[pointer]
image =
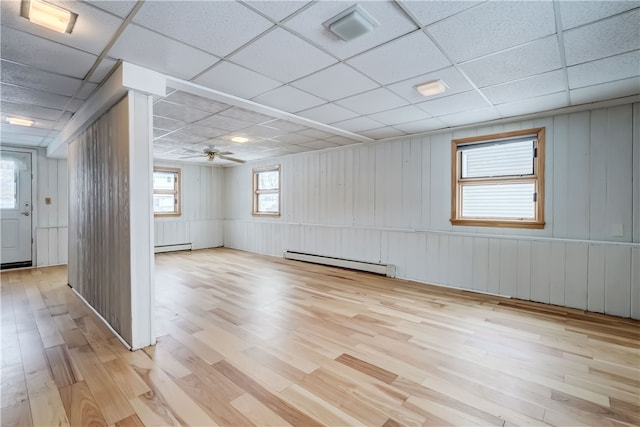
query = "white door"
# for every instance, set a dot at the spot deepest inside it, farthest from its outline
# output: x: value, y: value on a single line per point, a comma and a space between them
x: 15, y: 208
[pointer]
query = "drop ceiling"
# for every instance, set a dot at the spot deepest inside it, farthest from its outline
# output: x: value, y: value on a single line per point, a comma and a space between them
x: 498, y: 59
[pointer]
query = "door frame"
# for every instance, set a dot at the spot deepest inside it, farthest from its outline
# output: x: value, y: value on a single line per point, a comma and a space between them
x: 34, y: 194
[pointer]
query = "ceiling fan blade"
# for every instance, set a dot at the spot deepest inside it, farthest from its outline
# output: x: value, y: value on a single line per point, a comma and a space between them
x: 224, y: 153
x: 233, y: 159
x: 191, y: 157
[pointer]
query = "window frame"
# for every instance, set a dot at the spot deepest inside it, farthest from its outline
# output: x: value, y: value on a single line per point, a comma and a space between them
x: 257, y: 192
x: 176, y: 193
x: 457, y: 182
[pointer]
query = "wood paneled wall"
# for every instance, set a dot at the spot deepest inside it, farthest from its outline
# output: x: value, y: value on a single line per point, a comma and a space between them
x: 201, y: 221
x: 52, y: 220
x: 390, y: 202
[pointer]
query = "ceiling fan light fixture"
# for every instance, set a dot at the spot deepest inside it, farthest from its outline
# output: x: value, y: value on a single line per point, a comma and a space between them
x: 20, y: 122
x: 239, y: 139
x: 351, y: 23
x: 48, y: 15
x: 435, y: 87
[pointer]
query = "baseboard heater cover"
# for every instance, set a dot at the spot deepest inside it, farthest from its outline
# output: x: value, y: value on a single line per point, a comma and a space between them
x: 173, y: 248
x: 388, y: 270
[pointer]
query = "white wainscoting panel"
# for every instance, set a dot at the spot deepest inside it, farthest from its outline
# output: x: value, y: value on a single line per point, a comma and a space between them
x: 390, y: 202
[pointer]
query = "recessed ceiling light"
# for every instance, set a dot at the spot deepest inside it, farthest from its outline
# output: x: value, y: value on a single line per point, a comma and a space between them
x: 431, y: 88
x: 351, y: 23
x: 20, y: 122
x: 239, y: 139
x: 48, y: 15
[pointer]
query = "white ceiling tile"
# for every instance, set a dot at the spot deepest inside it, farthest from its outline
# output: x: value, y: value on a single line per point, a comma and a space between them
x: 282, y: 56
x: 400, y: 115
x: 605, y: 70
x: 29, y: 111
x: 373, y: 101
x: 432, y: 11
x: 33, y: 78
x: 421, y: 126
x: 122, y: 8
x: 382, y: 133
x: 184, y: 137
x: 341, y: 140
x: 315, y: 133
x: 453, y: 104
x: 91, y: 33
x: 40, y: 98
x: 610, y: 90
x: 167, y: 124
x: 223, y: 122
x: 328, y: 113
x: 358, y: 124
x: 178, y: 112
x: 470, y: 117
x: 493, y: 26
x: 167, y: 56
x: 335, y: 82
x: 246, y: 115
x: 289, y: 99
x: 605, y: 38
x: 393, y: 23
x: 28, y: 140
x: 195, y: 101
x: 533, y: 105
x: 102, y: 70
x: 203, y: 131
x: 523, y: 61
x: 576, y: 13
x: 277, y: 10
x: 529, y: 87
x: 43, y: 53
x: 291, y: 138
x: 400, y: 59
x: 455, y: 82
x: 319, y: 144
x: 22, y: 130
x: 235, y: 80
x: 218, y: 27
x: 259, y: 131
x: 285, y: 125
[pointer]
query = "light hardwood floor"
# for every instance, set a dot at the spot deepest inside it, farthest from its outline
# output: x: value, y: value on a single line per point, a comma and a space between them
x: 254, y: 340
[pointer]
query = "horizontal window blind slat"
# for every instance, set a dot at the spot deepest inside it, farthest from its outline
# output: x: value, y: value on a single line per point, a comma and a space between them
x: 505, y: 201
x: 505, y: 159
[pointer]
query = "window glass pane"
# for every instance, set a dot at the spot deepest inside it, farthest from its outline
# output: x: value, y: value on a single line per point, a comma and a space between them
x: 268, y: 180
x: 504, y: 201
x: 8, y: 184
x: 500, y: 159
x: 164, y: 203
x: 164, y: 180
x: 268, y: 203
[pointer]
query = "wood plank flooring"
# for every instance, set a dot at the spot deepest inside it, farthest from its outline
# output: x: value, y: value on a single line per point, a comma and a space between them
x: 249, y: 340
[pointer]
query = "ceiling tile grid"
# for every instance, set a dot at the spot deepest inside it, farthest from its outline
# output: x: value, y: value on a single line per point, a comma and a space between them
x: 497, y: 59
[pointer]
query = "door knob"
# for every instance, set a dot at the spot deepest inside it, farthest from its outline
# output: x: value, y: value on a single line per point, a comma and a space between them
x: 27, y: 209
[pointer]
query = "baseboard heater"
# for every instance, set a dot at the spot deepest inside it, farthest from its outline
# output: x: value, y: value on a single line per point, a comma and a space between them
x: 388, y: 270
x: 173, y: 248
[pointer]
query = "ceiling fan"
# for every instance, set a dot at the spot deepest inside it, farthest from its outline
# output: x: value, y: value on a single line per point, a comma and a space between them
x: 211, y: 153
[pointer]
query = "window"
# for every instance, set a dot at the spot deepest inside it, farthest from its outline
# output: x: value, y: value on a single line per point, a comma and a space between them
x: 498, y: 180
x: 8, y: 183
x: 166, y: 191
x: 266, y: 191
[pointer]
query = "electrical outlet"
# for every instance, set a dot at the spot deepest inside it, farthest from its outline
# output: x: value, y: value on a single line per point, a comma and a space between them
x: 47, y: 200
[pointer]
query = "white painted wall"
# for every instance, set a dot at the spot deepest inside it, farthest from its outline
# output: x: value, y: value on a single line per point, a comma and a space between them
x: 51, y: 220
x: 390, y: 202
x: 201, y: 221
